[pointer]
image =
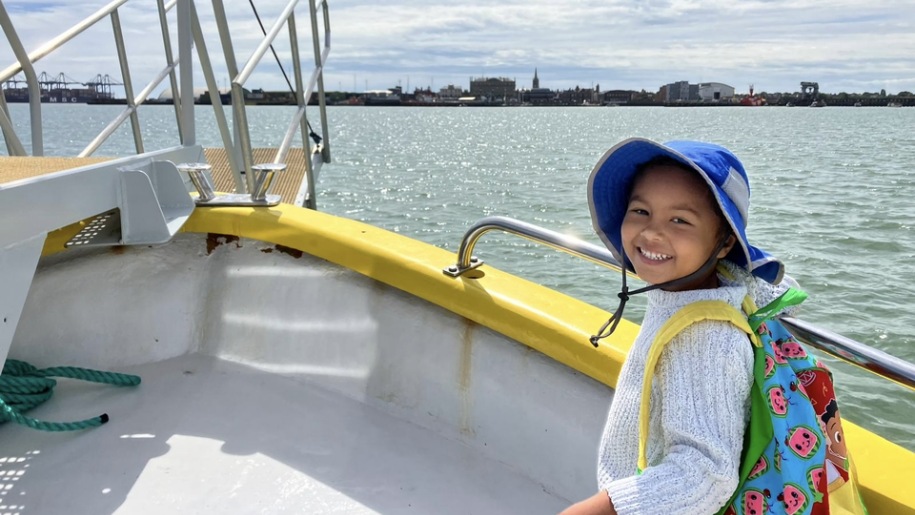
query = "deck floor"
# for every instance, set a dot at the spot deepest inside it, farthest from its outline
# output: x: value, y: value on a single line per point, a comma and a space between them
x: 286, y: 184
x: 202, y: 435
x: 14, y: 168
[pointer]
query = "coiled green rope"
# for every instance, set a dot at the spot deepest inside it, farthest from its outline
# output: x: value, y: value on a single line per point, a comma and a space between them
x: 23, y: 387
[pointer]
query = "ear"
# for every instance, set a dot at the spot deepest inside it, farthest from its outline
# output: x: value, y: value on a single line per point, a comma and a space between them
x: 729, y: 244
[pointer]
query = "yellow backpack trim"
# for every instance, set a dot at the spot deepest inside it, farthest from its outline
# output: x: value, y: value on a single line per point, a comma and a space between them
x: 685, y: 317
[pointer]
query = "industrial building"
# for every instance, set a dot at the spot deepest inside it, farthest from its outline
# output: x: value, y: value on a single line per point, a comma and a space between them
x: 493, y: 88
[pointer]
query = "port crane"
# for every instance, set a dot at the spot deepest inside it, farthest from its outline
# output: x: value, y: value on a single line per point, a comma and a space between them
x: 101, y: 84
x: 61, y: 88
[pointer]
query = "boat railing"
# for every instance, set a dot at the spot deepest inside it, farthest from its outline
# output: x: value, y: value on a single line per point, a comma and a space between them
x: 238, y: 146
x: 24, y: 65
x: 302, y: 92
x: 836, y: 345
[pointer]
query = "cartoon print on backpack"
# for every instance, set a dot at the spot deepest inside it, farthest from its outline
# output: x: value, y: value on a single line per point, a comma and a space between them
x: 778, y: 354
x: 818, y: 385
x: 791, y: 349
x: 794, y: 499
x: 802, y: 441
x: 777, y: 402
x: 755, y: 502
x: 815, y: 480
x: 836, y: 452
x: 798, y: 388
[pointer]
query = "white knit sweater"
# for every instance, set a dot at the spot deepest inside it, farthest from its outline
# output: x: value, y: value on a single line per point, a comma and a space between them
x: 698, y: 409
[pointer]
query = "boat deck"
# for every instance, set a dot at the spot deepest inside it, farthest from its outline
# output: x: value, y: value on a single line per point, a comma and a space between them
x: 14, y: 168
x: 203, y: 435
x: 286, y: 184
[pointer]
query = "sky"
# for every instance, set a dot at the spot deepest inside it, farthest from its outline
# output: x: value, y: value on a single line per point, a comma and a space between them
x: 844, y: 45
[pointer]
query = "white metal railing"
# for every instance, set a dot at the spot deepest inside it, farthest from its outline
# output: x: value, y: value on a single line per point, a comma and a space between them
x: 313, y: 160
x: 238, y: 145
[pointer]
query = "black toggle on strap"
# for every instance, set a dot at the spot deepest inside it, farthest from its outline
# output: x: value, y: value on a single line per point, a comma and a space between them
x: 624, y: 294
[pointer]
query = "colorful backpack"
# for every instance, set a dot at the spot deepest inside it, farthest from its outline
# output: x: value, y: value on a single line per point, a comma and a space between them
x: 795, y: 459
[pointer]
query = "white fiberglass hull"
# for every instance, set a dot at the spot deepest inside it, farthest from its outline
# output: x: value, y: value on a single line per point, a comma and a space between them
x: 332, y: 366
x: 276, y: 382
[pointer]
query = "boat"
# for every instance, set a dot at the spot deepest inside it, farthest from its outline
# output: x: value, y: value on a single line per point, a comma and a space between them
x: 382, y: 97
x: 894, y: 104
x: 752, y: 99
x: 275, y: 358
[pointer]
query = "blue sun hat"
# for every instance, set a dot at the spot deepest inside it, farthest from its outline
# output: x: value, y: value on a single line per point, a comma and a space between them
x: 611, y: 181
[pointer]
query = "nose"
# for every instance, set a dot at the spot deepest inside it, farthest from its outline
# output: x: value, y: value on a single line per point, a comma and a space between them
x: 652, y: 231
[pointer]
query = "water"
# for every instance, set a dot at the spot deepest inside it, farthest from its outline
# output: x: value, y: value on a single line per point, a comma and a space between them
x: 831, y: 197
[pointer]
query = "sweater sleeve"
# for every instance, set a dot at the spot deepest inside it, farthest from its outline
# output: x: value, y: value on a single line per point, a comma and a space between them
x: 703, y: 382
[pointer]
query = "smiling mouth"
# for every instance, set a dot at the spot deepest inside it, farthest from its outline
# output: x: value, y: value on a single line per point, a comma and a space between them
x: 653, y: 256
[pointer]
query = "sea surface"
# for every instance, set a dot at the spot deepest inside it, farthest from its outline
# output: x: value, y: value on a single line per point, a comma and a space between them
x: 832, y: 196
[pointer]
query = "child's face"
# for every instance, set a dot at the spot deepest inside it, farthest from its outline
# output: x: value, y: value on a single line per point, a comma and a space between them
x: 671, y: 228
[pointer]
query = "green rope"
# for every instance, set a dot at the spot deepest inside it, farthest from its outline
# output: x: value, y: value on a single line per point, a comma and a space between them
x: 24, y: 387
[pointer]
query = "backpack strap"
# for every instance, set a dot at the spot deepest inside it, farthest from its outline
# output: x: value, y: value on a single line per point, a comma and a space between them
x: 791, y: 297
x: 719, y: 310
x: 685, y: 317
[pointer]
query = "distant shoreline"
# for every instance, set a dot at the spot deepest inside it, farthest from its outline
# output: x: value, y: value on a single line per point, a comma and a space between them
x: 888, y: 101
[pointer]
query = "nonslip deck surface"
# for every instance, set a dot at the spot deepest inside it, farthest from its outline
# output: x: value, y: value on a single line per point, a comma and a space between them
x: 286, y: 184
x: 14, y: 168
x: 201, y: 435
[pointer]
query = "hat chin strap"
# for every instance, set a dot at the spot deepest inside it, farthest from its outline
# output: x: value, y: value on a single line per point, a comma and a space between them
x: 624, y: 294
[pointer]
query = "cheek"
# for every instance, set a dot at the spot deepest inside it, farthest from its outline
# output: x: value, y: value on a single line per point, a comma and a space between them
x: 628, y: 230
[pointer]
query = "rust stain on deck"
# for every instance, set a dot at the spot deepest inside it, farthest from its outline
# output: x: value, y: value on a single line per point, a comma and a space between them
x: 296, y: 253
x: 465, y: 377
x: 214, y: 240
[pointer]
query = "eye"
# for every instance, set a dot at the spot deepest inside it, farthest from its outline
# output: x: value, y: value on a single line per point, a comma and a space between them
x: 678, y: 220
x: 837, y: 437
x: 638, y: 211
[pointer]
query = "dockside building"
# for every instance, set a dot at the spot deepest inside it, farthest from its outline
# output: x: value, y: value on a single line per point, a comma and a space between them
x: 493, y: 88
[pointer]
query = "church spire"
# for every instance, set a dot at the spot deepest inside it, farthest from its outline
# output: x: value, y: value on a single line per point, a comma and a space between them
x: 536, y: 80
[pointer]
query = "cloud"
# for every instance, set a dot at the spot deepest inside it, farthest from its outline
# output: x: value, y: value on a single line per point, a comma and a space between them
x: 775, y: 44
x: 633, y: 44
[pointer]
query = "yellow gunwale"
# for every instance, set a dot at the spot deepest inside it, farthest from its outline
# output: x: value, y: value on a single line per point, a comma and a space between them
x: 543, y: 319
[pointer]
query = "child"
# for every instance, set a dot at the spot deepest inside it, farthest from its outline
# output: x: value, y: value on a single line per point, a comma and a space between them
x: 674, y: 213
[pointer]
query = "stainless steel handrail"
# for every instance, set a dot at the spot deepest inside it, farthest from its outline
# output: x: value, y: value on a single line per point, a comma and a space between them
x: 15, y: 145
x: 553, y: 239
x: 846, y: 349
x: 62, y: 38
x: 216, y: 100
x: 169, y: 58
x: 128, y: 81
x: 25, y: 62
x: 129, y: 112
x: 238, y: 88
x: 132, y: 101
x: 190, y: 35
x: 302, y: 92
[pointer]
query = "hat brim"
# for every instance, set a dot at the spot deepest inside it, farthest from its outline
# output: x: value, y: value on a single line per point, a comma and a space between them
x: 608, y: 197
